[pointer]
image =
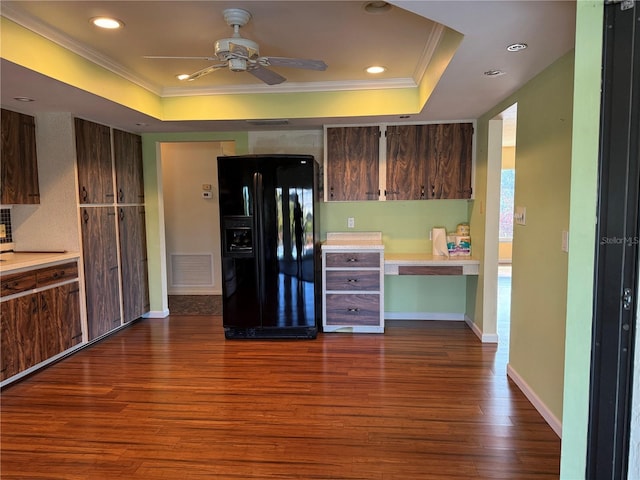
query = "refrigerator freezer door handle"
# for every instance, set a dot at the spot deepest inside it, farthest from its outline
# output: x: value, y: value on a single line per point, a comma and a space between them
x: 258, y: 207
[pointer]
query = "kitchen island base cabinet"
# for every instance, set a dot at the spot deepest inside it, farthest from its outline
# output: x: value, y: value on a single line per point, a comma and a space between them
x: 353, y: 283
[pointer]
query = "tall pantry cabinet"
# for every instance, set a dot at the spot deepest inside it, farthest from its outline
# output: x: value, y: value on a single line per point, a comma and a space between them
x: 110, y: 188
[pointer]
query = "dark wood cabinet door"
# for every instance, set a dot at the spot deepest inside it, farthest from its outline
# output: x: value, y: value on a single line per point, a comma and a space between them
x: 99, y: 244
x: 127, y: 151
x: 133, y: 253
x: 21, y: 335
x: 19, y: 166
x: 60, y: 318
x: 352, y: 163
x: 406, y: 162
x: 449, y: 157
x: 93, y: 152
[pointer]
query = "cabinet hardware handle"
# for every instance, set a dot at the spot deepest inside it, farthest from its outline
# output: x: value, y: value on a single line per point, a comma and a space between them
x: 120, y: 194
x: 352, y: 259
x: 331, y: 192
x: 422, y: 191
x: 352, y: 280
x: 433, y: 190
x: 85, y: 217
x: 85, y: 194
x: 353, y: 309
x: 121, y: 214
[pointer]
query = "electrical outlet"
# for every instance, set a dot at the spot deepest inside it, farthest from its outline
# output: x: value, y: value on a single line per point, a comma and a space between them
x: 520, y: 215
x: 351, y: 222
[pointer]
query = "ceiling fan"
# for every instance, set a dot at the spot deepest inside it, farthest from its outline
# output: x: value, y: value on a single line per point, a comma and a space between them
x: 240, y: 54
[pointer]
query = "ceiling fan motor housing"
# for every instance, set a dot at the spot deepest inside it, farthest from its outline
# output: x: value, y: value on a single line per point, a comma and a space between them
x: 227, y: 48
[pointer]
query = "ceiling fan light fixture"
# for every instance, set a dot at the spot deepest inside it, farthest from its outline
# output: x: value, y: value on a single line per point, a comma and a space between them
x: 376, y: 69
x: 237, y: 65
x: 107, y: 23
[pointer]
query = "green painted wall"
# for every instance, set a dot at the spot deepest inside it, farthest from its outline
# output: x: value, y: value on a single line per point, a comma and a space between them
x: 584, y: 183
x: 539, y: 281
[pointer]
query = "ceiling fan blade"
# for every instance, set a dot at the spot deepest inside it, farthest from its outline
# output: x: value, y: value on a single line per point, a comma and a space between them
x: 210, y: 59
x: 293, y: 62
x: 267, y: 76
x: 205, y: 71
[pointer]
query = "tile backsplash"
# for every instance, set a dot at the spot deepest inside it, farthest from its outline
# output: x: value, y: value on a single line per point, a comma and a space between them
x: 5, y: 219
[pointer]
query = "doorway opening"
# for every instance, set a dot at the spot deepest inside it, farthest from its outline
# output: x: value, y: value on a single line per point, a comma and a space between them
x: 505, y: 226
x: 192, y: 225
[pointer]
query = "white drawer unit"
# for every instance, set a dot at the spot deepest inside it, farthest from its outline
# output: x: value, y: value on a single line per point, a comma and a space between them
x: 353, y: 282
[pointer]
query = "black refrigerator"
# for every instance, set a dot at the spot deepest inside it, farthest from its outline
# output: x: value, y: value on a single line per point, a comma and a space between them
x: 270, y: 246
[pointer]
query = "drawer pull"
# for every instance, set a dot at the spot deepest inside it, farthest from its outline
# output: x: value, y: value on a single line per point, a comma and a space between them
x: 352, y: 259
x: 353, y: 310
x: 352, y: 280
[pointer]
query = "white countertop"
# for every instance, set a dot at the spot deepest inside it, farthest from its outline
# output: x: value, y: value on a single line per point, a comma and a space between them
x: 12, y: 262
x: 353, y: 241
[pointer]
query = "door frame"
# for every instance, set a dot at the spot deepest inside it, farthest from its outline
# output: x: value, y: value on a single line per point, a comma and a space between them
x: 616, y: 263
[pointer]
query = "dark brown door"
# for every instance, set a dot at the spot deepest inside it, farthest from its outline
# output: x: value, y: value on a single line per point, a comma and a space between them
x: 449, y: 157
x: 127, y: 150
x: 93, y: 151
x: 60, y: 319
x: 407, y: 162
x: 99, y: 243
x: 352, y: 163
x: 20, y: 333
x: 133, y: 251
x: 19, y: 160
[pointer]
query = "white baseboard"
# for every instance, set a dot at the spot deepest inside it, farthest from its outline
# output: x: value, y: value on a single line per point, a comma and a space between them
x: 484, y: 337
x: 539, y: 405
x: 456, y: 317
x: 156, y: 314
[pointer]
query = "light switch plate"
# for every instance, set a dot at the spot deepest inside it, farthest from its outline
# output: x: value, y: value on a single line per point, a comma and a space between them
x: 520, y: 215
x: 351, y: 222
x: 565, y: 241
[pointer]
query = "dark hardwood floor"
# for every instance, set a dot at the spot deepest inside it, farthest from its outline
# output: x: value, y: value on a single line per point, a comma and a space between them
x: 172, y: 399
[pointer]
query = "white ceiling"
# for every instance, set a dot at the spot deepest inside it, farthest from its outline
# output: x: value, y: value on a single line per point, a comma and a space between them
x: 341, y: 33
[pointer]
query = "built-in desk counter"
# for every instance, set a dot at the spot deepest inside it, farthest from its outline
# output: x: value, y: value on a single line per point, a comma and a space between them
x: 427, y: 264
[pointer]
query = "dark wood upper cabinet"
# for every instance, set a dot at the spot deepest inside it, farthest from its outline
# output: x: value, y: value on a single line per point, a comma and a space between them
x: 429, y: 161
x: 127, y: 149
x: 449, y: 159
x: 19, y: 164
x: 352, y: 163
x: 93, y: 151
x: 407, y: 177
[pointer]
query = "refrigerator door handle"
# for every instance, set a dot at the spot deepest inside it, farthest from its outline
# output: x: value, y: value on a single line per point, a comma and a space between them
x: 258, y: 224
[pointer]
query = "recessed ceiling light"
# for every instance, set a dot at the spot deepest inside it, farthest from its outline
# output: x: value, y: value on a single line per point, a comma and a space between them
x: 24, y: 99
x: 107, y: 22
x: 377, y: 7
x: 182, y: 76
x: 376, y: 69
x: 516, y: 47
x: 493, y: 73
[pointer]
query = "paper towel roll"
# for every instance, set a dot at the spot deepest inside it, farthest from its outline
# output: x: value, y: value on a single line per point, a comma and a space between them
x: 439, y: 240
